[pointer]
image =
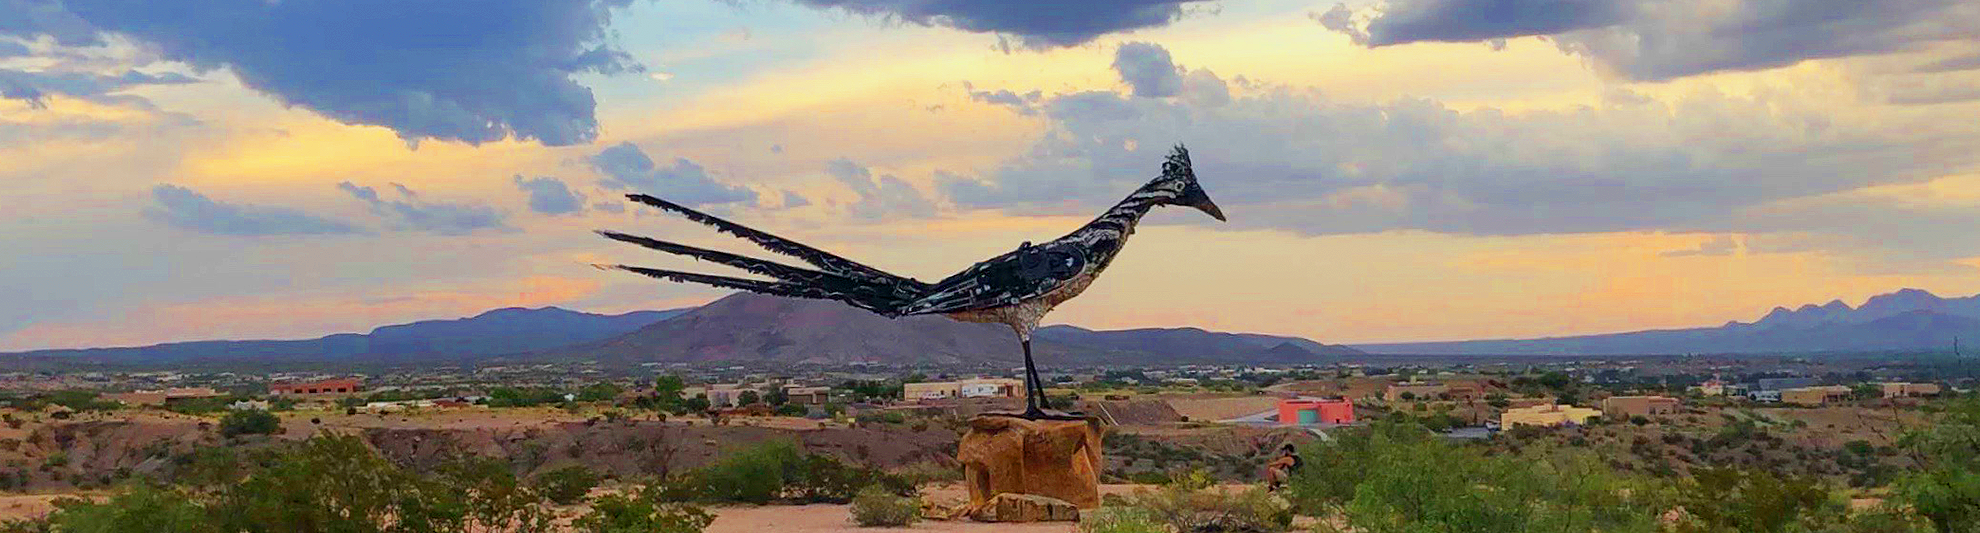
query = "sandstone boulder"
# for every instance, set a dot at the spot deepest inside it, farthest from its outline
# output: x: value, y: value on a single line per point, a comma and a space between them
x: 1057, y: 459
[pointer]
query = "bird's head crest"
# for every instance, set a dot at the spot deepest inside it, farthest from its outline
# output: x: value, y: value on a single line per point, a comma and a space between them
x: 1179, y: 178
x: 1177, y: 165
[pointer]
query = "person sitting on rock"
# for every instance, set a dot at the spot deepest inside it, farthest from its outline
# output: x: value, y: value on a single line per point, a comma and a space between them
x: 1281, y: 469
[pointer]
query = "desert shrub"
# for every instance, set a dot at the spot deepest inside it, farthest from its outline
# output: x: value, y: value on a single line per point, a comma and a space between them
x: 249, y: 422
x: 137, y: 508
x: 926, y: 472
x: 644, y: 511
x: 878, y: 507
x: 567, y: 485
x: 1120, y: 519
x: 1754, y: 501
x: 1203, y: 510
x: 778, y: 471
x: 791, y: 409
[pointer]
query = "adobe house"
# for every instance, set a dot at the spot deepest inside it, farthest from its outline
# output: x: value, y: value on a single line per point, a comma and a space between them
x: 318, y: 388
x: 1624, y: 407
x: 1309, y: 411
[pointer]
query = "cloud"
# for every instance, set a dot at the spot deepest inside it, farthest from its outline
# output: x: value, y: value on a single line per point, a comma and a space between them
x: 474, y: 72
x: 1722, y: 245
x: 1665, y: 39
x: 1024, y: 104
x: 549, y: 196
x: 1297, y: 161
x: 1038, y: 24
x: 1408, y: 21
x: 884, y: 198
x: 189, y: 210
x: 793, y: 199
x: 1147, y: 68
x: 34, y: 87
x: 627, y: 167
x: 12, y: 49
x: 414, y: 213
x: 1951, y: 64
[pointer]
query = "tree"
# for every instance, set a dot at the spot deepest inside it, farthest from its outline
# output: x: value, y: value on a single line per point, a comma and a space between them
x: 599, y: 392
x: 567, y: 485
x: 777, y: 397
x: 249, y: 422
x: 748, y: 397
x: 1945, y: 488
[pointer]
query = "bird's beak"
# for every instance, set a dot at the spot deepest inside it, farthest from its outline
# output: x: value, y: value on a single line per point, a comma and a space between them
x: 1210, y: 208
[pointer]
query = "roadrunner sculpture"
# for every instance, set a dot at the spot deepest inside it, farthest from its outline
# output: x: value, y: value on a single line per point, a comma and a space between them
x: 1015, y: 289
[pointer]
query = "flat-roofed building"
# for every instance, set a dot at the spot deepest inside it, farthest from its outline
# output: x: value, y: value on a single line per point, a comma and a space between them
x: 808, y: 395
x: 1815, y: 395
x: 164, y: 397
x: 1909, y: 390
x: 1311, y: 411
x: 967, y: 388
x: 1623, y: 407
x: 317, y: 388
x: 1549, y: 415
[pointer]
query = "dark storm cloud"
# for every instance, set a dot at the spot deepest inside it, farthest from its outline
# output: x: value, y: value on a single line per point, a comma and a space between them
x: 34, y: 87
x: 187, y: 209
x: 1665, y: 39
x: 625, y: 166
x: 469, y: 71
x: 411, y: 212
x: 1038, y: 24
x: 886, y: 197
x: 549, y: 196
x: 1147, y: 68
x: 1407, y: 21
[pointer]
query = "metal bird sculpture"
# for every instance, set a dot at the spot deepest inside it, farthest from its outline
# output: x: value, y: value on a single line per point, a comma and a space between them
x: 1016, y: 289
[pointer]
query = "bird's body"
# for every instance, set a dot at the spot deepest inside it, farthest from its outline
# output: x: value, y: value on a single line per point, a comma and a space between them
x: 1016, y: 289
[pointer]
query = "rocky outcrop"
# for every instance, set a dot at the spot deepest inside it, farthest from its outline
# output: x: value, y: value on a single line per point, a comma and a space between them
x: 1055, y: 459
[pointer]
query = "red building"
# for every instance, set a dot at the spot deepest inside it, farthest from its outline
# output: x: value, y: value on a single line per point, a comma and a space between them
x: 1308, y: 411
x: 317, y: 388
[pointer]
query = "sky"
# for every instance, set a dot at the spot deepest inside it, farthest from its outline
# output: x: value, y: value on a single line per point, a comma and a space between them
x: 1396, y: 170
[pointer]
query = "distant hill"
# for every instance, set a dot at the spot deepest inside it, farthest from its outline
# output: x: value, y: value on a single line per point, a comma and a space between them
x: 750, y: 327
x: 1197, y: 344
x: 1909, y: 319
x: 496, y: 332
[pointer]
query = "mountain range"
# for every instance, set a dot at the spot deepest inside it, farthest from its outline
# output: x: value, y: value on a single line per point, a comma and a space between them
x: 739, y: 327
x: 496, y: 332
x: 750, y: 327
x: 1909, y: 319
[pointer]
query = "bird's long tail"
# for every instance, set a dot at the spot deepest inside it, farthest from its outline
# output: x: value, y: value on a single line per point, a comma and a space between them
x: 836, y: 278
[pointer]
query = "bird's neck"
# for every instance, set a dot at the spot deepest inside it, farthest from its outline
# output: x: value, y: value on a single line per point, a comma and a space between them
x: 1128, y: 212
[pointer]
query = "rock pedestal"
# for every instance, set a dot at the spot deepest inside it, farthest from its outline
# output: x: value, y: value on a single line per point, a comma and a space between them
x: 1058, y: 459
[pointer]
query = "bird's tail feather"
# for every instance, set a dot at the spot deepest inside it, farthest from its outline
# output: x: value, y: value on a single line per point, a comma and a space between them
x: 827, y: 262
x: 868, y: 302
x: 773, y: 269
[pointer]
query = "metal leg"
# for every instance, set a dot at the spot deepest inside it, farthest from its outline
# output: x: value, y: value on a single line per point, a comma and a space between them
x: 1034, y: 395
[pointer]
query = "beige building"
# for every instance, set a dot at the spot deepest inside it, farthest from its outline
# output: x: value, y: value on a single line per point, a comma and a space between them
x: 968, y: 388
x: 1549, y: 415
x: 162, y: 397
x: 808, y: 395
x: 1815, y: 395
x: 1909, y: 390
x: 1623, y: 407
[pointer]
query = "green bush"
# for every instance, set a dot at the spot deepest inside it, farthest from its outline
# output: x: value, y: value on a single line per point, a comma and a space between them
x: 137, y: 508
x: 1121, y: 519
x: 1189, y: 509
x: 567, y: 485
x: 249, y: 422
x: 877, y: 507
x: 776, y: 471
x: 645, y: 511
